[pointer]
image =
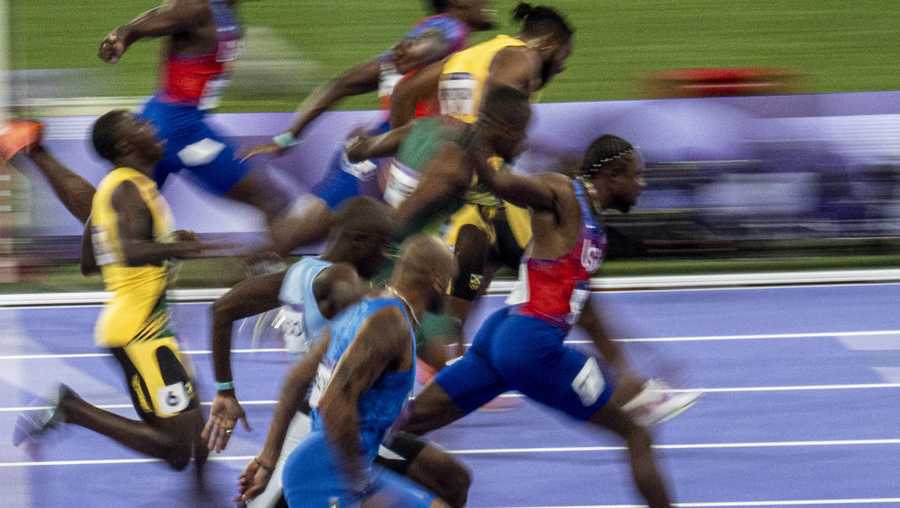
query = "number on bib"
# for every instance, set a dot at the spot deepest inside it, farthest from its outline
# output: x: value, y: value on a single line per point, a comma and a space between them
x: 173, y: 398
x: 456, y: 94
x: 399, y: 186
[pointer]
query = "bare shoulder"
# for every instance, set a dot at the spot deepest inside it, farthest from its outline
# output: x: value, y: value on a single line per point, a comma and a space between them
x: 558, y: 182
x: 198, y: 10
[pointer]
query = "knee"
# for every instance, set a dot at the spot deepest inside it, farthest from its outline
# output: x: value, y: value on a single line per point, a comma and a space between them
x: 179, y: 456
x: 457, y: 484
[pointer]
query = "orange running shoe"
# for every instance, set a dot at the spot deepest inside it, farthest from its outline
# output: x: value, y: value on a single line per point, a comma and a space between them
x: 18, y: 135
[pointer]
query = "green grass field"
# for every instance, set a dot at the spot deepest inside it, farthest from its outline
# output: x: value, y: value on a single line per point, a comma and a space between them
x: 836, y: 45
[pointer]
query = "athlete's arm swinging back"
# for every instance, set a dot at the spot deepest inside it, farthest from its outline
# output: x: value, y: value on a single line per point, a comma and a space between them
x: 173, y: 17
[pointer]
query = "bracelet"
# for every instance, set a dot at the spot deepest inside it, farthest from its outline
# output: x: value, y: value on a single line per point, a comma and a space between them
x: 260, y: 464
x: 222, y: 386
x: 285, y: 140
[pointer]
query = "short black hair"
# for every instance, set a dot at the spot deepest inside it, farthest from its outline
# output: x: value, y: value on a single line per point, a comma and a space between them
x: 365, y: 215
x: 606, y: 152
x: 507, y: 105
x: 438, y: 6
x: 541, y: 20
x: 105, y: 135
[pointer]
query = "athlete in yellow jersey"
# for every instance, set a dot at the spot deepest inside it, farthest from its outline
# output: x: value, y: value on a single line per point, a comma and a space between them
x: 129, y: 239
x: 526, y: 62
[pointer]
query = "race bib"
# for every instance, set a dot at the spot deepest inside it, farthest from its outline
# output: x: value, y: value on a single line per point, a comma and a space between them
x: 212, y: 94
x: 102, y: 252
x: 456, y: 94
x: 400, y: 185
x: 291, y: 327
x: 387, y: 81
x: 591, y: 256
x: 323, y: 379
x: 173, y: 398
x: 576, y: 304
x: 589, y: 382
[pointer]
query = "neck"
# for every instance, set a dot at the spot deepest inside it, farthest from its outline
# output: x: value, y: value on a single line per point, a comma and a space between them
x: 145, y: 167
x: 414, y: 297
x: 598, y: 196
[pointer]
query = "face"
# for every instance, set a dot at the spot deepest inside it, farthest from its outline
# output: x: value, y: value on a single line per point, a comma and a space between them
x: 141, y: 135
x: 555, y: 56
x: 478, y: 14
x: 372, y: 248
x: 626, y: 186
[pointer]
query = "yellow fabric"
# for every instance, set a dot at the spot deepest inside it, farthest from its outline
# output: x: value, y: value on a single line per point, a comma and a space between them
x: 150, y: 393
x: 138, y: 308
x: 480, y: 216
x: 465, y: 74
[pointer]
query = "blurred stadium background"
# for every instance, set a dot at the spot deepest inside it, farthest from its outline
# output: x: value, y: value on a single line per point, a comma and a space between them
x: 771, y: 182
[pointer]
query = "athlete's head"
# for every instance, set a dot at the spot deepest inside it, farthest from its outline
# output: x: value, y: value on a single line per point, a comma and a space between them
x: 503, y: 121
x: 614, y: 166
x: 425, y: 269
x: 477, y: 14
x: 548, y: 32
x: 120, y: 135
x: 362, y: 230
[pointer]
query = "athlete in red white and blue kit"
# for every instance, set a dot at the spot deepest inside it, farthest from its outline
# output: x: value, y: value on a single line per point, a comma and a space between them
x: 202, y: 41
x: 430, y: 40
x: 520, y: 347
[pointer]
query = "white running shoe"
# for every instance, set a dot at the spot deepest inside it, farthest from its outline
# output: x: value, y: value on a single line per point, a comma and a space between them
x: 654, y: 404
x: 31, y: 425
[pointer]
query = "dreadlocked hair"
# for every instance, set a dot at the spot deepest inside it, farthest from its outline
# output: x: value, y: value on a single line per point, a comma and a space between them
x: 607, y: 152
x: 542, y: 20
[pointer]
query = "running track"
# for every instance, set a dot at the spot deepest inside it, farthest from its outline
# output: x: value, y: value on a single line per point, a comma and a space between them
x: 803, y: 408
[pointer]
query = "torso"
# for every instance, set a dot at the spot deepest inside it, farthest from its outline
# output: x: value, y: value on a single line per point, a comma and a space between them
x: 199, y: 78
x: 380, y: 405
x: 138, y: 307
x: 304, y: 321
x: 556, y: 289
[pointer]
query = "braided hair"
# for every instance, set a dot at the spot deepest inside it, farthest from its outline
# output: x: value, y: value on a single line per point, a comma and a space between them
x: 607, y: 152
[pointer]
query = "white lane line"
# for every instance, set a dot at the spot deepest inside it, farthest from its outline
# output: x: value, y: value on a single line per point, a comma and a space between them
x: 698, y: 338
x: 21, y: 409
x: 757, y: 389
x: 739, y: 504
x: 504, y: 451
x: 105, y: 355
x: 686, y: 446
x: 734, y: 389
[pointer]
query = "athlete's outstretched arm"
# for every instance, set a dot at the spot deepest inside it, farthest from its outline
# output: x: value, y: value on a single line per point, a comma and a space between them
x: 379, y: 346
x: 526, y: 191
x: 173, y: 17
x: 136, y: 231
x: 372, y: 147
x: 422, y: 85
x: 293, y: 393
x: 445, y: 176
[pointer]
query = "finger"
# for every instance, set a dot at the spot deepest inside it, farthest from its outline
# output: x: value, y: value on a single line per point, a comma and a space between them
x: 212, y: 437
x: 246, y: 423
x: 207, y: 429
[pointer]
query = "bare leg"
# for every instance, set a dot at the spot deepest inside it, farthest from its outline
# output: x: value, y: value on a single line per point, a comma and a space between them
x: 169, y: 439
x: 430, y: 410
x: 442, y: 474
x: 644, y: 471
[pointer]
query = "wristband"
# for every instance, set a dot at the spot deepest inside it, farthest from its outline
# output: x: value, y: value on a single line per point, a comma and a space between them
x: 222, y: 386
x: 285, y: 140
